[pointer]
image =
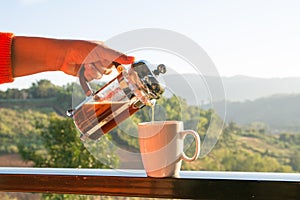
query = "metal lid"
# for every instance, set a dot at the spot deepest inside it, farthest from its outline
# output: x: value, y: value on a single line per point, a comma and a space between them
x: 148, y: 75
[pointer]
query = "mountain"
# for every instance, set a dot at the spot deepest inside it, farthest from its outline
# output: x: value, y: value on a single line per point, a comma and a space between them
x: 240, y: 88
x: 197, y: 89
x: 273, y: 101
x: 278, y: 112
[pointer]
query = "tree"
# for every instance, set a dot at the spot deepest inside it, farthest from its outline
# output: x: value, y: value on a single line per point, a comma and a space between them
x: 43, y: 89
x: 58, y: 145
x: 295, y: 161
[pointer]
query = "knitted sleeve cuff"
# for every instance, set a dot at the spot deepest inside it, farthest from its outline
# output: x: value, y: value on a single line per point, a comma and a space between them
x: 6, y: 74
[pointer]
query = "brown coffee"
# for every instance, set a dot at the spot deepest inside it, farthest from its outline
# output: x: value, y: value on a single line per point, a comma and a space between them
x: 98, y: 118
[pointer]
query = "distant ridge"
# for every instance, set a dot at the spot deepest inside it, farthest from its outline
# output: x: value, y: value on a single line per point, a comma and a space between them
x: 194, y: 88
x: 240, y: 88
x: 279, y: 112
x: 273, y: 101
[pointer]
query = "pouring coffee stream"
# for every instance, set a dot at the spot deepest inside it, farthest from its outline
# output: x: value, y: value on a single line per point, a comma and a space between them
x: 117, y: 100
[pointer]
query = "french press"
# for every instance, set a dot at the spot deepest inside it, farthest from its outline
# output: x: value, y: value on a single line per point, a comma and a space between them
x: 129, y: 91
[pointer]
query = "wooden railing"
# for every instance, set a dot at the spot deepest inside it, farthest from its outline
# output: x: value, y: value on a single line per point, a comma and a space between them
x: 191, y: 184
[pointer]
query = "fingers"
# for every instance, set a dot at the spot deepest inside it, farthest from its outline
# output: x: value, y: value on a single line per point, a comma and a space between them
x: 91, y: 72
x: 113, y: 55
x: 95, y: 71
x: 96, y: 57
x: 107, y: 56
x: 123, y: 59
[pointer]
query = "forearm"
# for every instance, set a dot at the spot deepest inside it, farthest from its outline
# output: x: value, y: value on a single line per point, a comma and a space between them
x: 32, y: 55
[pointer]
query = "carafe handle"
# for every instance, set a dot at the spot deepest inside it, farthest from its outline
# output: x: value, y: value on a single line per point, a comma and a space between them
x: 84, y: 83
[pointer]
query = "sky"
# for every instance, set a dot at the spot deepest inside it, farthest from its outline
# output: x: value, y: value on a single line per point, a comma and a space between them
x: 250, y: 37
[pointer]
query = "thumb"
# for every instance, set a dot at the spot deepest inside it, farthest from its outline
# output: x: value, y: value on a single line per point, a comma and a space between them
x: 123, y: 59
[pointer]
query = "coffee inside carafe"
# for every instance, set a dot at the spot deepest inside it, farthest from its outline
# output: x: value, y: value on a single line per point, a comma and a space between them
x: 116, y: 101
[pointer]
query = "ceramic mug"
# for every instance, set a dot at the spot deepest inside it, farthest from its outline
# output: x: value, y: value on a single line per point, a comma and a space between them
x: 162, y: 147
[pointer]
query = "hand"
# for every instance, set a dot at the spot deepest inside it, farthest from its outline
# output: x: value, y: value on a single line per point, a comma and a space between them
x: 32, y: 55
x: 94, y: 56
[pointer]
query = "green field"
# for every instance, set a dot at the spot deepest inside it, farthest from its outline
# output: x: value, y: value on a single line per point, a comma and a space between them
x: 34, y: 130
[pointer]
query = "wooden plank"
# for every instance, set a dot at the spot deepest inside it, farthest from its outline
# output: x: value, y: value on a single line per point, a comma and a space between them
x: 192, y: 185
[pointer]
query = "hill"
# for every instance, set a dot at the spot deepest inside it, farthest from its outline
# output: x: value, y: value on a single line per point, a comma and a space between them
x: 240, y: 148
x: 274, y: 101
x: 198, y: 89
x: 278, y: 112
x: 42, y: 96
x: 241, y: 88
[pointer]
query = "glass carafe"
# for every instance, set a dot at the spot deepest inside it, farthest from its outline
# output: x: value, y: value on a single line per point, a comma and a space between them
x: 128, y: 92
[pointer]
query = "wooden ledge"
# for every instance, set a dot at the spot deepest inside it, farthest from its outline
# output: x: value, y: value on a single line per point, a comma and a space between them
x: 192, y: 185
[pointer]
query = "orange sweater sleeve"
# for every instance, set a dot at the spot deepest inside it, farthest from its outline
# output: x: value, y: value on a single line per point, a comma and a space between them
x: 6, y: 74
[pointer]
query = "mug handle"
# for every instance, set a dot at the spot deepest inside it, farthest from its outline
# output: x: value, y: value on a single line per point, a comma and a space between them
x: 198, y: 142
